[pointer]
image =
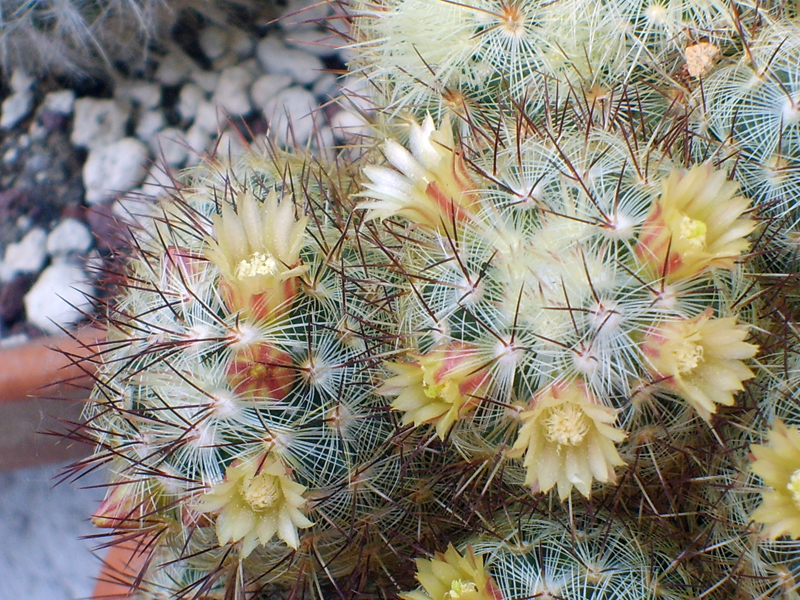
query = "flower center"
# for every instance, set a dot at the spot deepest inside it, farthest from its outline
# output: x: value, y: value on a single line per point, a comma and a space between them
x: 687, y: 356
x: 693, y: 232
x: 261, y: 492
x: 566, y: 425
x: 460, y: 589
x: 794, y: 487
x: 258, y: 264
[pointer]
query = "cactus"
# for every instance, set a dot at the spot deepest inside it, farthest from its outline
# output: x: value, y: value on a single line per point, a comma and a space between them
x: 540, y: 337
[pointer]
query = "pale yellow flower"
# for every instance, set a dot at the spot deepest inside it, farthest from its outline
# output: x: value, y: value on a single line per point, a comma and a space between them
x: 778, y: 464
x: 257, y: 501
x: 257, y: 249
x: 568, y: 440
x: 438, y: 387
x: 429, y: 186
x: 700, y: 359
x: 450, y: 576
x: 694, y: 225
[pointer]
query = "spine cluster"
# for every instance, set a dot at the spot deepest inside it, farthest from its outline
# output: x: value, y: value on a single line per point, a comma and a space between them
x: 538, y: 340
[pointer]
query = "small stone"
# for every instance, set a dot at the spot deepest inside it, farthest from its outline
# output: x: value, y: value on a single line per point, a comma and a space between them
x: 229, y: 59
x: 150, y: 123
x: 326, y: 87
x: 21, y: 81
x: 174, y: 68
x: 214, y: 41
x: 199, y: 141
x: 267, y: 86
x: 170, y: 147
x: 207, y: 80
x: 114, y: 169
x: 276, y: 57
x: 144, y: 93
x: 348, y: 126
x: 69, y: 237
x: 290, y: 114
x: 208, y: 118
x: 241, y: 43
x: 232, y: 91
x: 60, y: 102
x: 314, y: 41
x: 303, y: 14
x: 98, y: 122
x: 190, y: 97
x: 159, y: 182
x: 15, y: 107
x: 59, y: 298
x: 26, y: 256
x: 231, y: 145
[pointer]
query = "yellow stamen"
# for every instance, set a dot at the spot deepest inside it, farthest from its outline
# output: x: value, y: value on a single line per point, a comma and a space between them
x: 694, y: 232
x: 687, y: 356
x: 261, y: 492
x: 458, y: 588
x: 567, y: 425
x: 794, y: 487
x: 258, y: 264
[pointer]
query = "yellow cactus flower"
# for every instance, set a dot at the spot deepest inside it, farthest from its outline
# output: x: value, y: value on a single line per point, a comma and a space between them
x: 257, y: 501
x: 568, y: 440
x: 257, y: 250
x: 694, y: 225
x: 439, y: 387
x: 700, y: 359
x: 778, y: 465
x: 451, y: 576
x: 433, y: 187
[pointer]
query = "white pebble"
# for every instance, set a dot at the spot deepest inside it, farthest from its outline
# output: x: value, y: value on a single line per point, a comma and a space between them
x: 348, y: 126
x: 326, y: 87
x: 266, y: 86
x: 232, y: 91
x: 276, y: 57
x: 291, y: 117
x: 302, y: 14
x: 26, y: 256
x: 150, y: 123
x: 144, y: 93
x: 199, y: 141
x: 189, y: 99
x: 69, y: 237
x: 15, y: 107
x: 158, y: 183
x: 21, y: 81
x: 214, y: 41
x: 114, y: 169
x: 60, y: 102
x: 170, y: 147
x: 241, y: 43
x: 99, y: 122
x: 59, y: 298
x: 314, y: 41
x: 208, y: 117
x: 174, y: 68
x: 207, y: 80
